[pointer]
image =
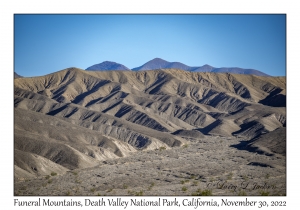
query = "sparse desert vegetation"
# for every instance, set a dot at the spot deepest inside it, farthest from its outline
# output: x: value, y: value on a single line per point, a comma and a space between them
x: 175, y: 169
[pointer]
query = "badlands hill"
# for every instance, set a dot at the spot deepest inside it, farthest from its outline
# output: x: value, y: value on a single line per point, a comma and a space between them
x: 16, y: 75
x: 74, y: 119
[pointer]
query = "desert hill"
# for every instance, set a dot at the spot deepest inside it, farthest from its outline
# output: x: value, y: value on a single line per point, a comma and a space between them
x: 268, y: 143
x: 74, y: 118
x: 16, y: 75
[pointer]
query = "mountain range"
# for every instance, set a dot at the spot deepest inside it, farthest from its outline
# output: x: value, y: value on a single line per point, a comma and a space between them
x: 158, y: 63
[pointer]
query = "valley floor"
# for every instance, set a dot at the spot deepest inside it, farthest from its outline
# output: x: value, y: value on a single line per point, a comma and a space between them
x: 206, y: 166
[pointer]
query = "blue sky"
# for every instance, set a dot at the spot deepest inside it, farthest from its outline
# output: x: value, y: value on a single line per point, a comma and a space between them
x: 45, y: 44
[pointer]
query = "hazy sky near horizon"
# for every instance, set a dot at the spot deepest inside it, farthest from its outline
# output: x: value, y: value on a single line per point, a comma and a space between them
x: 45, y: 44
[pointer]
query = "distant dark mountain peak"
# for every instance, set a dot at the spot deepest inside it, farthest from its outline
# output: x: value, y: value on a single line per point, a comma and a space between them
x: 158, y: 60
x: 107, y: 65
x: 207, y: 66
x: 204, y: 68
x: 158, y: 63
